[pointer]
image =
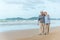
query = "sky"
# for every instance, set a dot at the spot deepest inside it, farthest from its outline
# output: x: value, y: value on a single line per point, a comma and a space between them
x: 28, y: 8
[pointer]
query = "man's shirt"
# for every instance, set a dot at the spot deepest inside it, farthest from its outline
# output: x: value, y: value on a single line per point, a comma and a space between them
x: 41, y: 19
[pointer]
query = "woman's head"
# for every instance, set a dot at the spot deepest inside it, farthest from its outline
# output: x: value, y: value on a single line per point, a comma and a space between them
x: 45, y: 13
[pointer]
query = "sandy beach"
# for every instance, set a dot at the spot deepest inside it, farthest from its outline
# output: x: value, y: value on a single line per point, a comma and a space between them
x: 31, y: 34
x: 53, y: 35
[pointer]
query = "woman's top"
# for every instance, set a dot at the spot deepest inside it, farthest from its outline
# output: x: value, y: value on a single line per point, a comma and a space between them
x: 47, y: 19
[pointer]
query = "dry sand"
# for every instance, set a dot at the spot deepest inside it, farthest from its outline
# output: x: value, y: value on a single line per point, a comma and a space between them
x: 32, y: 34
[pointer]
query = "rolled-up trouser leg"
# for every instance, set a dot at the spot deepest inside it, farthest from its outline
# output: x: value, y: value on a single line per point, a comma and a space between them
x: 41, y: 28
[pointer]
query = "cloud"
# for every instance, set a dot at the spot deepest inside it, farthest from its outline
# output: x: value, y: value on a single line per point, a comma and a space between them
x: 53, y: 9
x: 57, y: 1
x: 27, y: 8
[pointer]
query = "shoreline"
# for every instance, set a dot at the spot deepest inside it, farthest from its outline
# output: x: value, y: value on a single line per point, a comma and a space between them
x: 5, y: 29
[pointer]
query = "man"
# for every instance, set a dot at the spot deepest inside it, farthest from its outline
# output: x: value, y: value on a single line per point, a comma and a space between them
x: 41, y: 21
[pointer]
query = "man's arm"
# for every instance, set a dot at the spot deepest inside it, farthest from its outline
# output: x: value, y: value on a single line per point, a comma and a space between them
x: 39, y: 19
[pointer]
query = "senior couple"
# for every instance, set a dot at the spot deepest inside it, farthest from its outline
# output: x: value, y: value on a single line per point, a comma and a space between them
x: 44, y: 23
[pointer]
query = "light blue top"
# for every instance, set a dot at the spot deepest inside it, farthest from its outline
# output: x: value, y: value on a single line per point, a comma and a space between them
x: 47, y: 19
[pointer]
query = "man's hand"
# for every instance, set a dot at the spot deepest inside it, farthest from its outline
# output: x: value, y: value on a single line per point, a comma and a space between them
x: 38, y: 22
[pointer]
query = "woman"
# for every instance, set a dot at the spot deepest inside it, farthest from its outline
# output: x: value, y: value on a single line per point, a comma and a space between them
x: 47, y: 23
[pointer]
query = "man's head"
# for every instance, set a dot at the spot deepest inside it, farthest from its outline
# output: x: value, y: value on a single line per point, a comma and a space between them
x: 42, y: 13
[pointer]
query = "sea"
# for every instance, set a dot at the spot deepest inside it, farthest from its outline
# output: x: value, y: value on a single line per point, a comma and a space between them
x: 4, y: 28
